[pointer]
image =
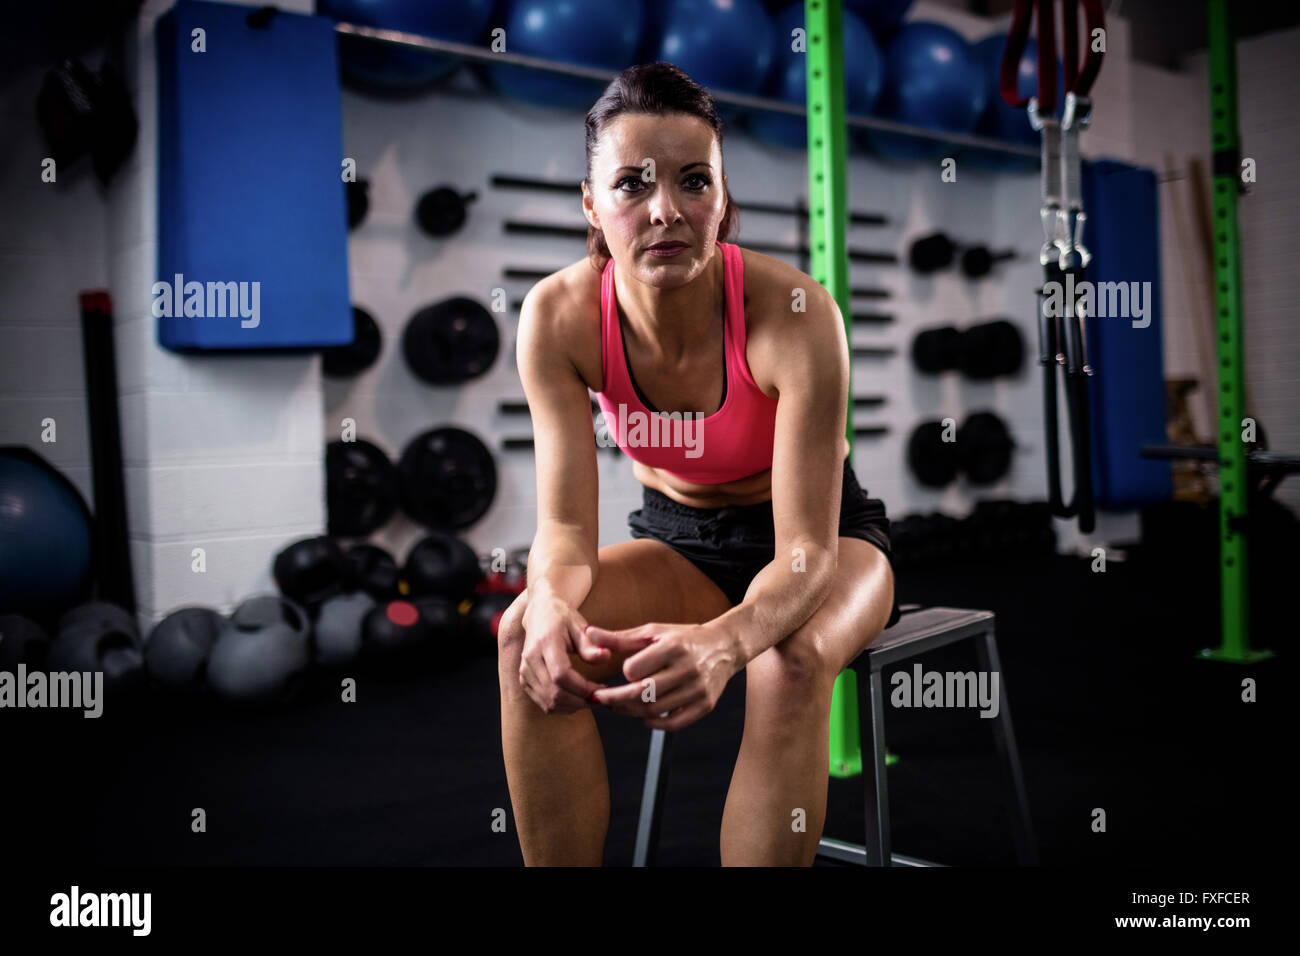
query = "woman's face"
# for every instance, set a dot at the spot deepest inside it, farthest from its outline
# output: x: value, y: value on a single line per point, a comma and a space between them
x: 657, y: 179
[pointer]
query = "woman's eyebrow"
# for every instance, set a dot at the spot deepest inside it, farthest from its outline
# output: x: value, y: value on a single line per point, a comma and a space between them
x: 637, y: 169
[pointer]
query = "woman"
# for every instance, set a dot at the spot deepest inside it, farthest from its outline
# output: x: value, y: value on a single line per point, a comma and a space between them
x: 755, y: 549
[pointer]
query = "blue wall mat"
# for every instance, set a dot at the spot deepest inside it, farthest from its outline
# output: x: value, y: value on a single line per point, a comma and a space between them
x: 250, y: 143
x: 1127, y: 397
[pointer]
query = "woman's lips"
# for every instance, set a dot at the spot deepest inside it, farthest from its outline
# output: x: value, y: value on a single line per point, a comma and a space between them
x: 668, y: 249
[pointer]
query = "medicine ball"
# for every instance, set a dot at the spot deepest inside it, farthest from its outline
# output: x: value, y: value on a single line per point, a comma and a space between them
x: 176, y: 651
x: 310, y: 571
x: 443, y: 565
x: 338, y: 632
x: 261, y: 654
x: 99, y: 637
x: 373, y: 570
x: 21, y: 642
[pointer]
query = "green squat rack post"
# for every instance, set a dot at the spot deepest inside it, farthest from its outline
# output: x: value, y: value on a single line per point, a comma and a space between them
x: 1234, y: 486
x: 828, y: 224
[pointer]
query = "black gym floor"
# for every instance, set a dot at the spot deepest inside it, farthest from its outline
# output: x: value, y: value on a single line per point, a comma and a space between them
x: 1111, y: 709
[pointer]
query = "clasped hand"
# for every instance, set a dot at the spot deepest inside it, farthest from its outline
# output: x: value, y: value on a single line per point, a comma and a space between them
x: 675, y: 674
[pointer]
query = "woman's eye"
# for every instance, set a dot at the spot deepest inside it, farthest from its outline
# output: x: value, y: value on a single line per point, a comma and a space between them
x: 703, y: 180
x: 630, y: 179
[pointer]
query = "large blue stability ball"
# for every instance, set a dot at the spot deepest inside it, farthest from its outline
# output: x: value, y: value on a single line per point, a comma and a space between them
x: 721, y: 44
x: 932, y: 79
x: 385, y: 68
x: 864, y: 74
x: 882, y: 16
x: 45, y: 535
x: 581, y: 32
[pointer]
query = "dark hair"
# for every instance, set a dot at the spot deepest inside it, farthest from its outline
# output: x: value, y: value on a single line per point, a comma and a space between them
x: 657, y: 89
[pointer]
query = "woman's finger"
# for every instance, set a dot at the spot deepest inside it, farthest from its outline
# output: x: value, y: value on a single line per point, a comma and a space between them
x: 678, y: 719
x: 647, y: 690
x: 625, y: 641
x: 561, y: 673
x: 588, y: 650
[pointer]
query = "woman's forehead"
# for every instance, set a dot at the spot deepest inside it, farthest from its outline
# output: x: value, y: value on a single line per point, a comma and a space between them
x: 637, y: 135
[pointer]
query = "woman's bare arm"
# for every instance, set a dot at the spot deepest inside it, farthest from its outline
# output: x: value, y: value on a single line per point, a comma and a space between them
x: 812, y: 377
x: 562, y: 560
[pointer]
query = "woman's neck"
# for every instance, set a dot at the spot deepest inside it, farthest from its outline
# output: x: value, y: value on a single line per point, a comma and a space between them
x: 671, y: 321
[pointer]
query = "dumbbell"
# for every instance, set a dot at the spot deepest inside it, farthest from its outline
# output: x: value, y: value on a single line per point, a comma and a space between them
x: 982, y: 451
x: 442, y: 210
x: 936, y: 251
x: 983, y: 351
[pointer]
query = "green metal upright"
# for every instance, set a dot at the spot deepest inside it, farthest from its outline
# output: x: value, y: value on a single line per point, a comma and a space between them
x: 1233, y: 484
x: 828, y: 223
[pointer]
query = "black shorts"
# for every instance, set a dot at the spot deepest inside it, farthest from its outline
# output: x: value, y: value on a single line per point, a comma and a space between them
x: 732, y: 544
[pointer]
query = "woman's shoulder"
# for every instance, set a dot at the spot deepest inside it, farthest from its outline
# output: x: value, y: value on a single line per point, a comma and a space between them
x: 776, y: 292
x: 773, y: 285
x: 562, y: 312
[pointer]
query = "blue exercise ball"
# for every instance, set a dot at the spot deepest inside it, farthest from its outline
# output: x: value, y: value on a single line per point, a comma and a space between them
x: 864, y: 74
x: 932, y: 80
x: 377, y: 67
x: 581, y: 32
x: 721, y: 44
x: 45, y: 535
x: 882, y: 16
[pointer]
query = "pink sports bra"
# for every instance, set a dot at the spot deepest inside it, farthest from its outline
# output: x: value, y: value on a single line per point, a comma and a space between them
x: 734, y: 442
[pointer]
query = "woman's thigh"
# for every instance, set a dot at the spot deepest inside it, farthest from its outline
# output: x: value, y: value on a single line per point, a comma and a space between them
x: 640, y: 581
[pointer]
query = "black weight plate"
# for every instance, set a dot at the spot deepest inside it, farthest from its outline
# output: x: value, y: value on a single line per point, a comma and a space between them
x: 448, y: 479
x: 933, y: 461
x: 985, y: 447
x: 344, y: 361
x: 441, y: 211
x: 358, y: 202
x: 451, y: 341
x: 360, y: 488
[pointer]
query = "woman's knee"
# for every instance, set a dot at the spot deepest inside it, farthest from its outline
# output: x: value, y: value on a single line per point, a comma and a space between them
x: 792, y: 671
x: 510, y: 634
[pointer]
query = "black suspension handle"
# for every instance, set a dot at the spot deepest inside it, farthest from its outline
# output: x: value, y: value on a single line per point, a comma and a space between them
x: 1061, y: 332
